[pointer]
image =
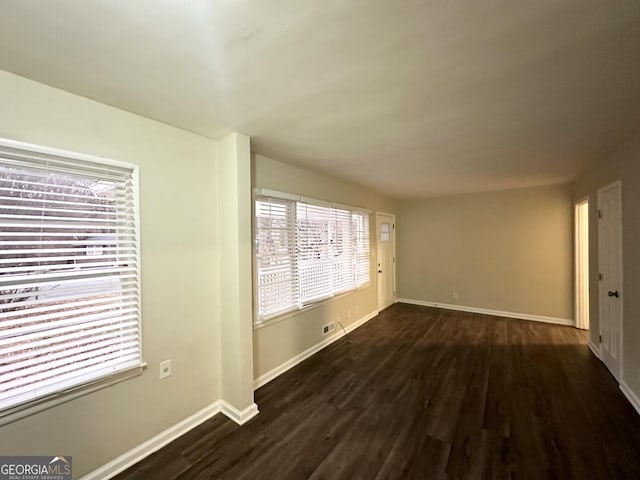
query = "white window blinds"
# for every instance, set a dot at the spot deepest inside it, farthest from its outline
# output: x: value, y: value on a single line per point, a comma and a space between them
x: 315, y: 252
x: 306, y: 252
x: 361, y: 246
x: 276, y: 256
x: 342, y: 259
x: 69, y: 278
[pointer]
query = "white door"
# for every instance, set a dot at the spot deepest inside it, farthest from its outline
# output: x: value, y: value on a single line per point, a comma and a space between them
x: 386, y: 234
x: 610, y: 271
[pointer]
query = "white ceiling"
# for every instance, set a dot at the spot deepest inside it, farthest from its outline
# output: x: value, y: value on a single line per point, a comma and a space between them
x: 411, y: 98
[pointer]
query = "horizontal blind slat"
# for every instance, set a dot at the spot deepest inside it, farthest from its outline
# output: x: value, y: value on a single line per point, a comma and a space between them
x: 43, y: 336
x: 32, y: 164
x: 28, y: 253
x: 65, y: 258
x: 52, y: 268
x: 86, y: 283
x: 63, y: 312
x: 51, y: 211
x: 22, y: 298
x: 45, y: 305
x: 76, y: 273
x: 46, y: 342
x: 38, y: 379
x: 114, y: 316
x: 64, y: 353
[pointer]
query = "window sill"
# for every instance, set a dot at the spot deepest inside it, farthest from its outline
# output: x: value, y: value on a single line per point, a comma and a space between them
x: 306, y: 308
x: 18, y: 412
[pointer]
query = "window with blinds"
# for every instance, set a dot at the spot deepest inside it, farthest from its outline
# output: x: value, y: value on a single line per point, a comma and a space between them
x: 276, y: 256
x: 306, y: 252
x: 69, y: 272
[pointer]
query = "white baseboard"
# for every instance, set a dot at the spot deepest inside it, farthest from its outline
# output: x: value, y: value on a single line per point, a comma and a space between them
x: 239, y: 416
x: 292, y: 362
x: 632, y: 397
x: 145, y: 449
x: 485, y: 311
x: 595, y: 349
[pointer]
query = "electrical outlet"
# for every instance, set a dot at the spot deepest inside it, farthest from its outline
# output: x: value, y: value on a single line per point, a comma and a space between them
x: 357, y: 308
x: 454, y: 295
x: 328, y: 328
x: 165, y: 369
x: 348, y: 313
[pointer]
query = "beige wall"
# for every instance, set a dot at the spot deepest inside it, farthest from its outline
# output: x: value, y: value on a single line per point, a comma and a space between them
x: 280, y: 341
x: 179, y: 275
x: 509, y: 250
x: 622, y: 165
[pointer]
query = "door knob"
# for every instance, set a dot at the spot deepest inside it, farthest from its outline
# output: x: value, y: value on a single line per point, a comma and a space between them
x: 614, y: 294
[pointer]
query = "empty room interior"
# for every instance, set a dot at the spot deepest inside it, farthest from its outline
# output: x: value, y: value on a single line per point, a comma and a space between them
x: 319, y: 240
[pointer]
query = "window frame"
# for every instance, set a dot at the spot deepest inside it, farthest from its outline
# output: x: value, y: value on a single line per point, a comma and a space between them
x: 313, y: 303
x: 40, y: 154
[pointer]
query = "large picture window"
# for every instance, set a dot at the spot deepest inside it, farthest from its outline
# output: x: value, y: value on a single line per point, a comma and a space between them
x: 69, y: 277
x: 307, y: 251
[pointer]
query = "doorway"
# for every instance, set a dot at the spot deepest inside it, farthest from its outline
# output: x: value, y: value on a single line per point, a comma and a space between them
x: 610, y: 276
x: 581, y: 236
x: 386, y: 241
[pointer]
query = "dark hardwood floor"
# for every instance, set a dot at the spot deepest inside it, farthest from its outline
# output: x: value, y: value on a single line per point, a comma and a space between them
x: 425, y: 393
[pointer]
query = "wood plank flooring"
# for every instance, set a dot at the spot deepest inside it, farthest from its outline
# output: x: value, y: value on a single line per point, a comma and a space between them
x: 424, y: 393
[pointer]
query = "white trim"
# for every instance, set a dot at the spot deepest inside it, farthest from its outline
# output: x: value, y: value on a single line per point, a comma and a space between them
x: 136, y: 454
x: 278, y: 317
x: 595, y: 349
x: 497, y: 313
x: 632, y: 397
x: 266, y: 192
x: 386, y: 213
x: 581, y: 262
x: 56, y: 152
x: 292, y: 362
x: 239, y: 416
x: 66, y: 395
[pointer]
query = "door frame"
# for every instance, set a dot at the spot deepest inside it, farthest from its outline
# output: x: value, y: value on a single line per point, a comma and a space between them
x: 393, y: 262
x: 581, y: 263
x: 618, y: 186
